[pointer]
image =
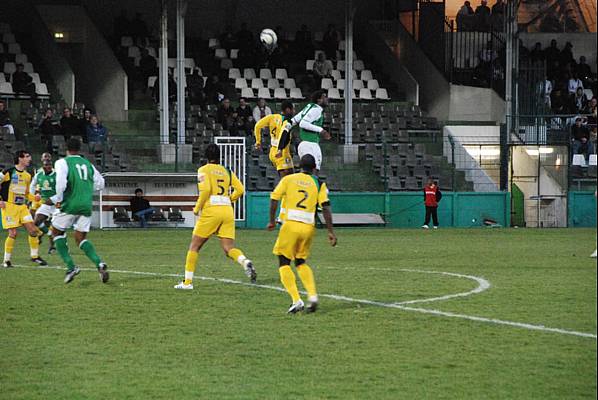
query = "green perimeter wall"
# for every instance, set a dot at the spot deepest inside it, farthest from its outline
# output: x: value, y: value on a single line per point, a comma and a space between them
x: 403, y: 209
x: 582, y: 209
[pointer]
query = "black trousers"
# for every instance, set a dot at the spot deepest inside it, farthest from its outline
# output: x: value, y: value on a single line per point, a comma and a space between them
x: 431, y: 211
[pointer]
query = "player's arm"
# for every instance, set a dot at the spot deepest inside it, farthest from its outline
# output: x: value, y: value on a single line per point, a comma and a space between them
x: 4, y: 177
x: 33, y: 185
x: 307, y: 121
x: 327, y: 213
x: 238, y: 188
x: 62, y: 170
x: 204, y: 192
x: 285, y: 138
x: 257, y: 129
x: 98, y: 180
x: 275, y: 198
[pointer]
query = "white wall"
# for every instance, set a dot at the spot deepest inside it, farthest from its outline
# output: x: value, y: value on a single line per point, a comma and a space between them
x: 468, y: 103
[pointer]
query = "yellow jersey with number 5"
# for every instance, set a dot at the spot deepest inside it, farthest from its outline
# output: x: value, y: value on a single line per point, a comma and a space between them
x: 302, y: 193
x: 214, y: 183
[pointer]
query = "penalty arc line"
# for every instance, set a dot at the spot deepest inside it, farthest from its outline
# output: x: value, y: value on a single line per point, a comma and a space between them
x: 399, y: 306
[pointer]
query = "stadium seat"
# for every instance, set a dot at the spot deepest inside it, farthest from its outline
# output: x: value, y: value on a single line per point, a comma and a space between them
x: 28, y: 67
x: 234, y: 73
x: 280, y: 93
x: 220, y: 54
x: 309, y: 65
x: 273, y: 83
x: 226, y: 63
x: 213, y: 43
x: 257, y: 83
x: 366, y: 75
x: 593, y: 160
x: 9, y: 67
x: 358, y: 65
x: 341, y: 45
x: 8, y: 38
x: 151, y: 81
x: 249, y: 73
x: 14, y: 48
x: 365, y: 94
x: 240, y: 83
x: 134, y: 52
x: 42, y: 89
x: 334, y: 94
x: 296, y: 93
x: 2, y: 78
x: 373, y: 84
x: 264, y: 93
x: 340, y: 84
x: 152, y: 52
x: 126, y: 41
x: 357, y: 84
x: 6, y: 88
x: 265, y: 73
x: 20, y: 58
x: 172, y: 63
x: 354, y: 75
x: 326, y: 83
x: 340, y: 65
x: 579, y: 160
x: 120, y: 215
x: 289, y: 83
x: 189, y: 63
x: 336, y: 74
x: 248, y: 93
x: 281, y: 74
x: 234, y: 54
x: 382, y: 94
x: 175, y: 214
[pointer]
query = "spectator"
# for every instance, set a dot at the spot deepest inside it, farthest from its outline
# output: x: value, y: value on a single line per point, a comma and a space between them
x: 322, y: 68
x: 536, y: 55
x: 579, y: 101
x: 464, y: 17
x: 566, y: 56
x: 580, y: 139
x: 195, y: 87
x: 22, y: 82
x: 228, y: 38
x: 261, y: 110
x: 498, y: 14
x: 226, y: 116
x: 547, y: 92
x: 5, y: 118
x: 551, y: 54
x: 147, y: 66
x: 141, y: 208
x: 498, y: 8
x: 488, y: 57
x: 214, y: 90
x: 84, y: 123
x: 482, y: 13
x: 96, y: 132
x: 432, y: 196
x: 584, y: 72
x: 593, y: 111
x: 330, y: 41
x: 69, y: 124
x: 245, y: 120
x: 48, y: 127
x: 574, y: 84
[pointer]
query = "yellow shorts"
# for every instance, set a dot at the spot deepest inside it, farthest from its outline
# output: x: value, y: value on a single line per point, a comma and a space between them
x: 219, y: 220
x: 294, y: 240
x: 35, y: 205
x: 15, y: 215
x: 282, y: 163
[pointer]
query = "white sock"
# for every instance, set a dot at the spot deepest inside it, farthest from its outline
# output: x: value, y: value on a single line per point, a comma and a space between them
x: 7, y: 256
x: 34, y: 253
x: 242, y: 260
x: 189, y: 276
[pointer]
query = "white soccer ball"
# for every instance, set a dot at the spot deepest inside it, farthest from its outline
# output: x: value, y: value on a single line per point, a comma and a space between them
x: 268, y: 38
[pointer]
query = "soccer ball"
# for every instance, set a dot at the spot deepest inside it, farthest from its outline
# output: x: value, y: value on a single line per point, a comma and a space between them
x: 268, y: 38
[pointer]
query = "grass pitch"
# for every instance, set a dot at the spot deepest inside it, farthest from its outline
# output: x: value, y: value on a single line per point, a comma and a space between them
x: 138, y: 338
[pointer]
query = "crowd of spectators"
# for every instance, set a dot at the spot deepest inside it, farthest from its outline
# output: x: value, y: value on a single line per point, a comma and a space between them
x: 5, y: 118
x: 483, y: 19
x: 240, y: 121
x: 88, y: 127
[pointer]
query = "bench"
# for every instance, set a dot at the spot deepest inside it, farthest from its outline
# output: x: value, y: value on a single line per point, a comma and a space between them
x: 343, y: 219
x: 120, y: 217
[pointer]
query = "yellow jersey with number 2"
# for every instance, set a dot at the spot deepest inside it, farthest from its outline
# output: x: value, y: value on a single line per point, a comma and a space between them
x: 302, y: 194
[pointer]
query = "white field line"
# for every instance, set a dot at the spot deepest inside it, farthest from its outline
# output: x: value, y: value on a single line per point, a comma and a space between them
x: 399, y: 306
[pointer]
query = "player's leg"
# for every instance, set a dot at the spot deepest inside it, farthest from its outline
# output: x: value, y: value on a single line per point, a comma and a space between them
x: 9, y: 245
x: 284, y: 248
x: 60, y: 223
x: 82, y: 227
x: 26, y: 220
x: 427, y: 219
x: 435, y: 217
x: 226, y: 233
x: 42, y: 216
x: 303, y: 249
x: 196, y: 244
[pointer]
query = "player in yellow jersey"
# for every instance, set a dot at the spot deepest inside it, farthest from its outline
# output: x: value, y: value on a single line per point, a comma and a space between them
x: 14, y: 194
x: 302, y: 192
x: 216, y: 215
x: 280, y: 152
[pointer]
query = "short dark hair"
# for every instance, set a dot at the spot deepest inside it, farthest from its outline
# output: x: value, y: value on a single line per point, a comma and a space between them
x: 73, y: 144
x: 286, y: 104
x: 138, y: 190
x: 317, y: 95
x: 20, y: 154
x: 242, y: 98
x: 213, y: 152
x: 307, y: 163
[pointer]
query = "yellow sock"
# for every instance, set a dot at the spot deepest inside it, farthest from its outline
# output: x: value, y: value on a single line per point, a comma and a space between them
x: 287, y: 277
x: 34, y: 246
x: 307, y: 278
x: 9, y: 244
x: 237, y: 255
x: 190, y: 266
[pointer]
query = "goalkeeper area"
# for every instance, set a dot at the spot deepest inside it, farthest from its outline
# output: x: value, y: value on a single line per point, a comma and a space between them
x: 449, y: 313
